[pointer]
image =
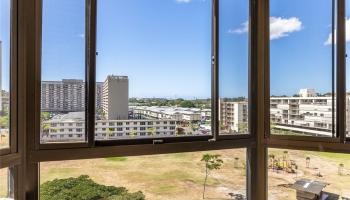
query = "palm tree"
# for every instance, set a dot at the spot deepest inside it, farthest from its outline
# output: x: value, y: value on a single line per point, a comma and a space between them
x: 45, y: 128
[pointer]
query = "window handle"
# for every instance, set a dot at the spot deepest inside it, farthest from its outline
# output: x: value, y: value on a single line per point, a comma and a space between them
x: 158, y: 141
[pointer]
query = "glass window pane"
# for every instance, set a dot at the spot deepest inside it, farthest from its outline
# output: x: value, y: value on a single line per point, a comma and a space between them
x: 153, y: 69
x: 158, y: 177
x: 233, y: 66
x: 292, y: 173
x: 5, y: 46
x: 6, y: 184
x: 301, y: 68
x: 63, y: 71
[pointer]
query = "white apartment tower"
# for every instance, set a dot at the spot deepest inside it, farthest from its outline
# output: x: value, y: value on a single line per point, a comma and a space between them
x: 115, y: 97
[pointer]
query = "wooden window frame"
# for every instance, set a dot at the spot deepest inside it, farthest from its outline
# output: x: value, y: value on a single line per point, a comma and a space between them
x: 29, y: 154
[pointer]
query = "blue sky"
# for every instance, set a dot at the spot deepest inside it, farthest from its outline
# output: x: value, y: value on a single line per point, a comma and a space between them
x: 164, y: 46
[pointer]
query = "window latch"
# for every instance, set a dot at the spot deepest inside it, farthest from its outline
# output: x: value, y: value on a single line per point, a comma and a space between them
x: 158, y: 141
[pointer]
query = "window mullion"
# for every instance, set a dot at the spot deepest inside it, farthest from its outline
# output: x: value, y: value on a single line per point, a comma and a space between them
x: 341, y: 71
x: 90, y: 69
x: 215, y: 70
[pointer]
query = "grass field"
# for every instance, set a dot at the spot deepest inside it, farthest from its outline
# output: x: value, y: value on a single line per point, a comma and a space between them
x: 159, y: 177
x: 3, y: 182
x: 180, y: 176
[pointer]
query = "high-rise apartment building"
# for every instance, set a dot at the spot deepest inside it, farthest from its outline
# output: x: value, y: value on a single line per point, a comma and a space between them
x: 99, y: 91
x: 115, y: 97
x: 67, y: 95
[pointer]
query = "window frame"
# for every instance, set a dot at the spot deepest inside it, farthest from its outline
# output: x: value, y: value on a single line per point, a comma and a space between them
x: 90, y: 72
x: 10, y: 157
x: 37, y: 88
x: 338, y: 84
x: 30, y: 155
x: 12, y: 148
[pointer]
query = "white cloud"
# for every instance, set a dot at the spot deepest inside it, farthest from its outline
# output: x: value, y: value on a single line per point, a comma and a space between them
x: 329, y: 40
x: 279, y: 27
x: 183, y: 1
x: 243, y: 29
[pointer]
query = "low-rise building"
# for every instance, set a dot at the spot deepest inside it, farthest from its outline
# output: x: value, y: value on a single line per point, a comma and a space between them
x: 71, y: 127
x: 164, y: 112
x: 233, y: 116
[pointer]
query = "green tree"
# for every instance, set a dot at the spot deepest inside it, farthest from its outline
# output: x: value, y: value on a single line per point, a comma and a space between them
x: 151, y: 130
x: 83, y: 188
x: 133, y: 133
x: 45, y: 116
x: 187, y: 104
x: 212, y: 162
x: 109, y: 132
x: 4, y: 121
x: 242, y: 127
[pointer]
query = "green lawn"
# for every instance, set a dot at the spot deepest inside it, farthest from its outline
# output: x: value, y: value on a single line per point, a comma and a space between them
x: 169, y: 176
